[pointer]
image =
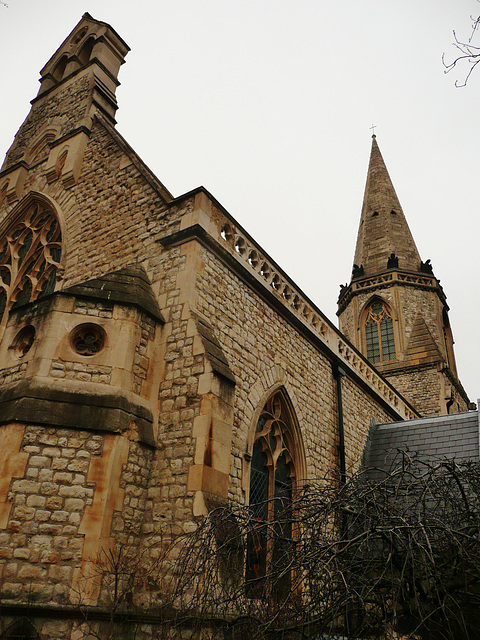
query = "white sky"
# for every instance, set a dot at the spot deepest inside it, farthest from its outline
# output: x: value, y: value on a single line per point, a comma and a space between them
x: 268, y: 104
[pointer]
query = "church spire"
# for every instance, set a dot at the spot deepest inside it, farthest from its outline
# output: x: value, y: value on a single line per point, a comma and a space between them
x: 384, y: 239
x: 394, y: 310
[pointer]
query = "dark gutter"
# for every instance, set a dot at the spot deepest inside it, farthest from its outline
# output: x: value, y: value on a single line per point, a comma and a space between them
x: 338, y: 373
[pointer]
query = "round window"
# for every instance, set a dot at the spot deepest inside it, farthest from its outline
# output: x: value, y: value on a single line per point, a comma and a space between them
x: 88, y: 339
x: 22, y: 343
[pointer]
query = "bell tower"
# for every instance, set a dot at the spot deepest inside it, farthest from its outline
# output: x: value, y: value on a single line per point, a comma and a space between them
x: 394, y: 309
x: 93, y: 49
x: 77, y: 84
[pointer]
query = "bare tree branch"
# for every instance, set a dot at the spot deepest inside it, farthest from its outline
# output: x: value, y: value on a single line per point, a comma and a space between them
x: 389, y: 554
x: 469, y: 53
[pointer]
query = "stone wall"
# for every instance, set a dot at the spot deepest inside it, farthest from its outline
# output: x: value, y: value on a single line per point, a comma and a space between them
x: 406, y: 302
x: 78, y: 494
x: 265, y: 353
x: 59, y: 113
x: 424, y: 387
x: 426, y: 383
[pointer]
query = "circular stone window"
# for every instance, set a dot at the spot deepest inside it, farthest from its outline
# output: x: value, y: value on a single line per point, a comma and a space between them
x: 88, y: 339
x: 22, y: 343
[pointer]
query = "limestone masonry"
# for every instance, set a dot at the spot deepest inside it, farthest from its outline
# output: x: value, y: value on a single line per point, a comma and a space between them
x: 144, y: 337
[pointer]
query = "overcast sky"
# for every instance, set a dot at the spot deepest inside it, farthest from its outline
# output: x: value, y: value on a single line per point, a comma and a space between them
x: 269, y: 104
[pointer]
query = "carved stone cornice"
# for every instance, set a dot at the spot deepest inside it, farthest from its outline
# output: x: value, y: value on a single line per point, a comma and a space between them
x: 224, y: 237
x: 388, y: 279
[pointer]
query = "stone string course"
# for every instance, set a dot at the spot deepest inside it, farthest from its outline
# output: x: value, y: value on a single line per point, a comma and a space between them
x: 94, y: 309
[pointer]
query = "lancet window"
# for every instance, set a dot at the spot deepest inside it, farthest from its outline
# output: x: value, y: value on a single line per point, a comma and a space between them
x: 30, y: 251
x: 272, y: 482
x: 379, y: 335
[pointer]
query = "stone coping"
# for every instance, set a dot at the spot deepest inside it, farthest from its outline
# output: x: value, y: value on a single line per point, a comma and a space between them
x: 231, y: 243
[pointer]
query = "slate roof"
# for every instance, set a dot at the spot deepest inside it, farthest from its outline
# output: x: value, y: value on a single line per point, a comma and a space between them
x: 443, y: 437
x: 129, y: 285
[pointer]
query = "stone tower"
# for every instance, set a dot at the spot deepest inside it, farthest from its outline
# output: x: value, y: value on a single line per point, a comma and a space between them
x: 394, y: 309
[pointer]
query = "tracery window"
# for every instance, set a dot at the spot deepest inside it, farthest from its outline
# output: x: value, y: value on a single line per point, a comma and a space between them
x: 272, y: 482
x: 379, y: 334
x: 30, y: 251
x: 88, y: 339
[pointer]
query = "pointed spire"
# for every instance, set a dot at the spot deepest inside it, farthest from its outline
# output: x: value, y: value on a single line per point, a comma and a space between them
x: 383, y: 235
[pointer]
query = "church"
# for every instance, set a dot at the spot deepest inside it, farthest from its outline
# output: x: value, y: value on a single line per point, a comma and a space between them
x: 156, y: 363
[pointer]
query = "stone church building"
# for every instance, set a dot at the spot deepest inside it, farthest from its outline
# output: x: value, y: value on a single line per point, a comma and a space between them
x: 155, y: 362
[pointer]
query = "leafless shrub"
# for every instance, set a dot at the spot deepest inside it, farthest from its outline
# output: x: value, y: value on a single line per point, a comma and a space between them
x: 385, y: 555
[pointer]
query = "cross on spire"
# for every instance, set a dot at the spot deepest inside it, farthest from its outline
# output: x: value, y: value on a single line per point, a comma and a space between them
x: 373, y: 127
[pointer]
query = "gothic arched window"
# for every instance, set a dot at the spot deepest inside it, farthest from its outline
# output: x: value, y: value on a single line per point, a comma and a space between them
x: 30, y: 251
x: 272, y: 481
x: 380, y: 340
x: 22, y: 629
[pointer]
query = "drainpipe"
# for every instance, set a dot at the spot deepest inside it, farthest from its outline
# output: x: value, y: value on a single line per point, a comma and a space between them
x: 338, y: 373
